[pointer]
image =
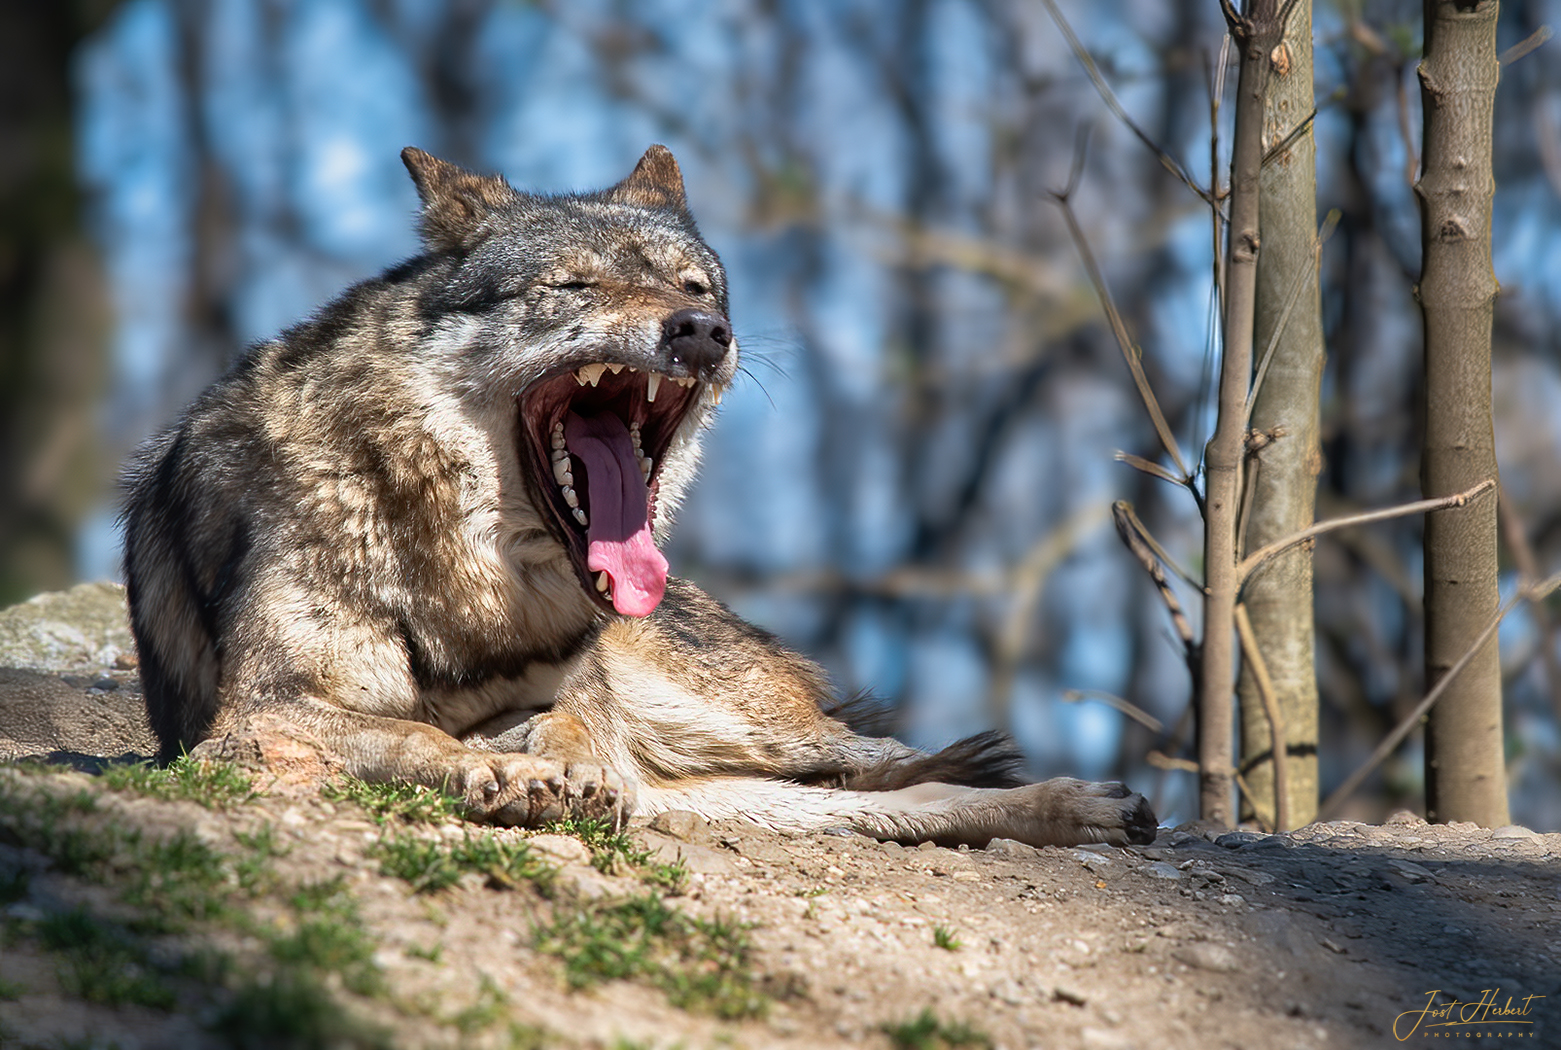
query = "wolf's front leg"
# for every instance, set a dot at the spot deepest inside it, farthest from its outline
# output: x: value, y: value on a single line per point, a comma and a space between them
x: 502, y: 787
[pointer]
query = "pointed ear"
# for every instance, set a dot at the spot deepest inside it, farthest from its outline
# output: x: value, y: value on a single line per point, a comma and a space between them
x: 655, y: 182
x: 455, y: 201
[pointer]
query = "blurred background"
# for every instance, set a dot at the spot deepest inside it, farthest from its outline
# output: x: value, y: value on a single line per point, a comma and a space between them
x: 914, y: 481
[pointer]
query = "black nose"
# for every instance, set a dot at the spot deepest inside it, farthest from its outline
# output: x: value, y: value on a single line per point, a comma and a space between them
x: 696, y: 339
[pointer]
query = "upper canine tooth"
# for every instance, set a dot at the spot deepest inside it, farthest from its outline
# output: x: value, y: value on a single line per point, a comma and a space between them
x: 715, y: 392
x: 593, y: 373
x: 652, y: 384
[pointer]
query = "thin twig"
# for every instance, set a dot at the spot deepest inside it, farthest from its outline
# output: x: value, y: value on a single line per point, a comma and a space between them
x: 1130, y: 353
x: 1127, y: 707
x: 1522, y: 552
x: 1526, y: 45
x: 1150, y: 467
x: 1279, y: 148
x: 1297, y: 286
x: 1276, y: 723
x: 1170, y: 163
x: 1392, y: 740
x: 1251, y: 562
x: 1138, y: 541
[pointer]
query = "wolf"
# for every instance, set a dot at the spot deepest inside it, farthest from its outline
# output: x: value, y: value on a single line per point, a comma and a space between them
x: 421, y: 530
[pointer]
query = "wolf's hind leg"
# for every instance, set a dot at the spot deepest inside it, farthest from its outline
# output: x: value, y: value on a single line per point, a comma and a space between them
x: 1057, y: 812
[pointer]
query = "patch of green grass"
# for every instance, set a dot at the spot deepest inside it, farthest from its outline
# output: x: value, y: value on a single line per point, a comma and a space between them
x: 430, y: 865
x: 944, y: 938
x: 398, y: 803
x: 327, y: 936
x: 615, y: 852
x: 293, y: 1008
x: 702, y: 965
x: 215, y: 785
x: 428, y: 953
x: 101, y: 962
x: 491, y: 1007
x: 176, y: 880
x: 926, y: 1032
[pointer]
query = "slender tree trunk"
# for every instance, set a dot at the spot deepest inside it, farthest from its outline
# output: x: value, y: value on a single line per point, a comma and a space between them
x: 1465, y: 777
x: 1255, y: 32
x: 1282, y: 474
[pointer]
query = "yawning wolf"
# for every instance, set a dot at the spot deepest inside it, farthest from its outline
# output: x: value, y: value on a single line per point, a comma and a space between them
x: 422, y: 527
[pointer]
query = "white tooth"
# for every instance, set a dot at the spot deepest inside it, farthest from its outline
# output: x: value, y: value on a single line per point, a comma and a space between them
x: 652, y: 384
x: 570, y: 498
x: 615, y: 368
x: 561, y: 472
x: 685, y: 382
x: 580, y: 516
x: 715, y: 392
x: 581, y: 377
x: 593, y: 373
x: 645, y: 465
x: 603, y: 581
x: 560, y: 455
x: 558, y: 435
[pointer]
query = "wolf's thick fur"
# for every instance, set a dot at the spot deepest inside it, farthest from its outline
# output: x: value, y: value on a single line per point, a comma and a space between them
x: 373, y: 529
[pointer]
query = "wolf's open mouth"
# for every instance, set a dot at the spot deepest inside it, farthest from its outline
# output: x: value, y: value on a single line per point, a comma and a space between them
x: 596, y: 435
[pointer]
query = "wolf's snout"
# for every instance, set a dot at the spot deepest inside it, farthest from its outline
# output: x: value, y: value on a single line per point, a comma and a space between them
x: 696, y: 339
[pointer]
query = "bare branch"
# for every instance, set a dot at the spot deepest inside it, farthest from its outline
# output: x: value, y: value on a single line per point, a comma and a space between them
x: 1128, y: 708
x: 1149, y: 467
x: 1130, y: 353
x: 1281, y: 147
x: 1276, y: 722
x: 1147, y: 551
x: 1170, y: 163
x: 1390, y: 743
x: 1297, y: 286
x: 1526, y: 45
x: 1160, y: 760
x: 1253, y: 561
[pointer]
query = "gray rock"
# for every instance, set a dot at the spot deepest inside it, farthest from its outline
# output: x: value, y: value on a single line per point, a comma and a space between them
x: 1204, y: 956
x: 85, y: 628
x: 1161, y: 870
x: 1012, y: 849
x: 682, y: 824
x: 1513, y: 831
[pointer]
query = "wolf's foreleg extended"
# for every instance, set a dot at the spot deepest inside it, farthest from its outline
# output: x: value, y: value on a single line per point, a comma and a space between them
x: 1057, y: 812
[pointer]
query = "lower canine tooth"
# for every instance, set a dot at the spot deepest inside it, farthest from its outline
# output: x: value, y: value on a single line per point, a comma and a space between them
x: 603, y: 581
x: 652, y: 384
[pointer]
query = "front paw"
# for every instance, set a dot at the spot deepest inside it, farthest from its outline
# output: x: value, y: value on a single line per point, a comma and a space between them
x: 517, y: 790
x: 1109, y: 812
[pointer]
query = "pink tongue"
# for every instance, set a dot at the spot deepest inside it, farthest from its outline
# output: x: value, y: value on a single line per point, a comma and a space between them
x: 619, y: 533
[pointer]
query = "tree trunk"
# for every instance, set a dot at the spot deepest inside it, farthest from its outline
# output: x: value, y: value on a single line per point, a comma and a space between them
x: 1465, y: 778
x: 1283, y: 473
x: 1255, y: 33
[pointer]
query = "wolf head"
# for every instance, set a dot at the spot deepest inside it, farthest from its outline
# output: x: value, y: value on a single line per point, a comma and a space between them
x: 593, y: 329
